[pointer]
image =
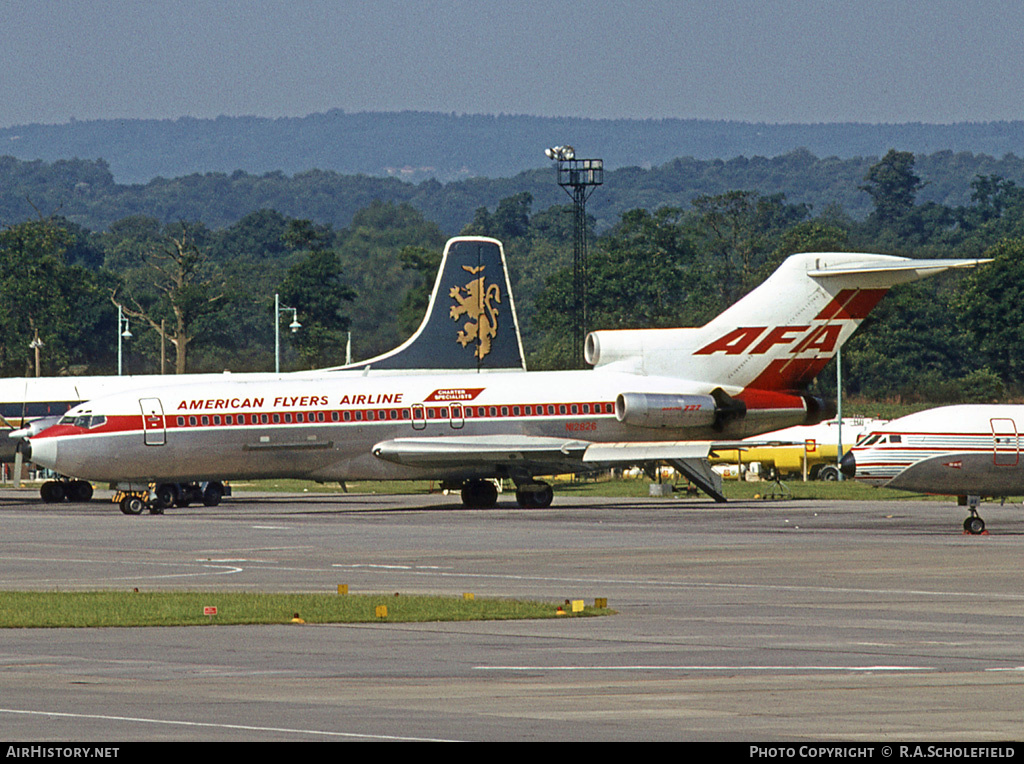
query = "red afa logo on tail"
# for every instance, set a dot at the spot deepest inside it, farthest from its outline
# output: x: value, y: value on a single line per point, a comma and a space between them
x: 818, y: 339
x: 848, y: 305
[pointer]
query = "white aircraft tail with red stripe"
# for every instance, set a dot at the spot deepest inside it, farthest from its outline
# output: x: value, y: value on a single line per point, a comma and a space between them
x: 778, y: 337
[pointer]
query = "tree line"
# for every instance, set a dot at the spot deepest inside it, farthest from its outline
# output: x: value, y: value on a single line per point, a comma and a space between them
x: 205, y: 295
x: 85, y: 192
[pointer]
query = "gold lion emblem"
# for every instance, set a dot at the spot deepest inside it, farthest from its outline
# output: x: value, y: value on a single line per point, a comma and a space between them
x: 477, y: 304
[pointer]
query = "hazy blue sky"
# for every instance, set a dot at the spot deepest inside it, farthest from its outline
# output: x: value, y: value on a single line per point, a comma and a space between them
x: 771, y: 61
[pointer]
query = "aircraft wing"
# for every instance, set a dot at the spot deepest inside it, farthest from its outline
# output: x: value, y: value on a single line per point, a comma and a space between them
x: 653, y: 451
x: 743, y: 445
x: 470, y: 450
x: 689, y: 457
x: 546, y: 454
x: 509, y: 449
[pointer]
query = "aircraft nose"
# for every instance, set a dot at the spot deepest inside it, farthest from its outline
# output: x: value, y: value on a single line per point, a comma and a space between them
x: 848, y: 465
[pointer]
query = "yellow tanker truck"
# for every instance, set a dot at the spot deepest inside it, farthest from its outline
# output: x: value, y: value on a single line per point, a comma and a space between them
x: 806, y: 452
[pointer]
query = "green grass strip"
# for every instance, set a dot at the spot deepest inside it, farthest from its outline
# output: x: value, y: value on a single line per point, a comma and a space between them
x: 28, y: 609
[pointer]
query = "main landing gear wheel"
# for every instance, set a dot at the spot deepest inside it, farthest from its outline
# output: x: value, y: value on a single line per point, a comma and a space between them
x: 79, y: 491
x: 56, y: 491
x: 52, y: 492
x: 213, y: 494
x: 166, y: 493
x: 187, y: 494
x: 535, y: 495
x: 479, y: 494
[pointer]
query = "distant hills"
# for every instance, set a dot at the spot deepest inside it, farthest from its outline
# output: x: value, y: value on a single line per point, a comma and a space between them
x: 415, y: 146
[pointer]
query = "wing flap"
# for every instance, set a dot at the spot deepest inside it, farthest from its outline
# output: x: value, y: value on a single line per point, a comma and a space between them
x: 445, y: 451
x: 460, y: 450
x: 646, y: 451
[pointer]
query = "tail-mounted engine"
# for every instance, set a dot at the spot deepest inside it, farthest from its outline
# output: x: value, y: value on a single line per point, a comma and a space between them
x: 666, y: 410
x: 761, y: 410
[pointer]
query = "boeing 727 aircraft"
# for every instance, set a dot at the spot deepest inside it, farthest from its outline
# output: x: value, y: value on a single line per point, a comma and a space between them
x: 30, y: 405
x: 969, y: 451
x: 653, y: 395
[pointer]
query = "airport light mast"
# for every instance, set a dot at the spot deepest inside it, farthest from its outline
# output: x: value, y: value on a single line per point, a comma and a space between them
x: 123, y: 333
x: 579, y: 178
x: 35, y: 345
x: 294, y: 326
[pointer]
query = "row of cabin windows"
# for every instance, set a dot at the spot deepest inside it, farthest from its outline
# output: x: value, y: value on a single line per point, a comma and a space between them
x: 312, y: 416
x: 469, y: 412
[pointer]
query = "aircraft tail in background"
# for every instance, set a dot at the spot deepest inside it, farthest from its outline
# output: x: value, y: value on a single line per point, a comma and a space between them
x: 471, y: 322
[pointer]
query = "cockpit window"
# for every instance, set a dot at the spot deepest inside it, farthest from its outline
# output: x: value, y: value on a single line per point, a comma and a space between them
x: 85, y: 421
x: 871, y: 440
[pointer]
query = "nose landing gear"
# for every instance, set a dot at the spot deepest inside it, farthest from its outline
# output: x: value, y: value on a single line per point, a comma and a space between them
x: 973, y: 525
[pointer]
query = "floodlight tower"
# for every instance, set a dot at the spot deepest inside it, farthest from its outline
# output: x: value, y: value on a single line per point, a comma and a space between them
x: 579, y: 178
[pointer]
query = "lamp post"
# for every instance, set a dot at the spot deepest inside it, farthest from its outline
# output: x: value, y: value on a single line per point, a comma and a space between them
x: 35, y: 344
x: 839, y: 409
x: 123, y: 333
x: 294, y: 326
x: 579, y: 178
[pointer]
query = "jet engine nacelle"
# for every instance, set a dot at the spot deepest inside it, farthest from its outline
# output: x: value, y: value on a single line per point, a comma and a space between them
x: 666, y: 410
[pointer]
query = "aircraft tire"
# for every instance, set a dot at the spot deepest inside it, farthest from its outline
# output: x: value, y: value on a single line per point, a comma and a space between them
x: 132, y: 505
x: 79, y: 491
x: 974, y: 525
x: 165, y: 495
x: 57, y: 491
x: 479, y: 494
x: 184, y: 497
x: 540, y: 497
x: 51, y: 492
x: 544, y: 497
x: 213, y: 494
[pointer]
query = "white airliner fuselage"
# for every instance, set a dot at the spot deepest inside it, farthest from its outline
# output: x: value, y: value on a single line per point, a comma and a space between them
x: 969, y: 450
x: 653, y: 395
x: 333, y: 429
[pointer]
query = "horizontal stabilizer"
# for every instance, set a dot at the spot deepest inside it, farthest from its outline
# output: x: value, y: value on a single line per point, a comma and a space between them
x: 921, y: 268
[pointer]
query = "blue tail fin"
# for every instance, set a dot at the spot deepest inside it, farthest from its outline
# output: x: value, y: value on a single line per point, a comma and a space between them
x: 471, y: 322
